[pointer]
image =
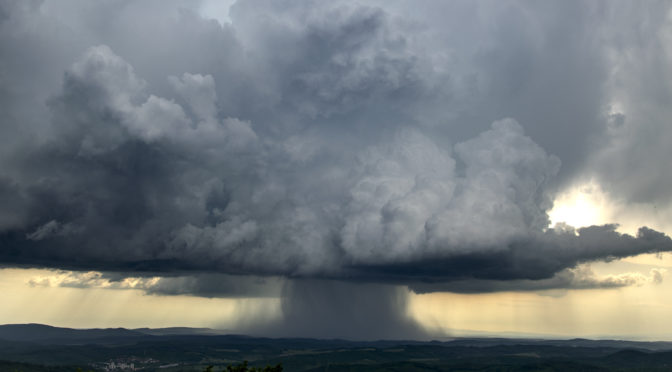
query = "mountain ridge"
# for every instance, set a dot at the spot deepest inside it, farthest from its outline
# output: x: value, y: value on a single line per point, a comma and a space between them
x: 47, y: 334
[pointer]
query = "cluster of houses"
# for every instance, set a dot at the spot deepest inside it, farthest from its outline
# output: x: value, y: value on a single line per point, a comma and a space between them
x: 119, y: 366
x: 128, y: 364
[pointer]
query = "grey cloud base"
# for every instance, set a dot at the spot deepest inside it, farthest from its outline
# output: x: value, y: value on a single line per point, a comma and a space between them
x: 328, y: 141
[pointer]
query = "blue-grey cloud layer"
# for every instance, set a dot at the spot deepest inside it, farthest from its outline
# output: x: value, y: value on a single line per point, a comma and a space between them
x: 324, y: 140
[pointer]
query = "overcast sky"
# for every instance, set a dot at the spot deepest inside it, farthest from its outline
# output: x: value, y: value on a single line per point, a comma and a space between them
x: 339, y: 159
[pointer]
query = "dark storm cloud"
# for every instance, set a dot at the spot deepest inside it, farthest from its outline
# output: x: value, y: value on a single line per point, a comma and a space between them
x: 641, y: 102
x: 312, y: 140
x: 577, y: 278
x: 537, y: 258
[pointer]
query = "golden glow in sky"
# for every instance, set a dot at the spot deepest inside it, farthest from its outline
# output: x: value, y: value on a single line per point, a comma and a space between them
x: 589, y: 204
x: 640, y: 311
x: 580, y: 206
x: 129, y: 308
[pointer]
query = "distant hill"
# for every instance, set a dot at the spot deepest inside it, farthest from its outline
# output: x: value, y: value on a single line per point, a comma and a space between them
x: 41, y: 333
x: 172, y: 331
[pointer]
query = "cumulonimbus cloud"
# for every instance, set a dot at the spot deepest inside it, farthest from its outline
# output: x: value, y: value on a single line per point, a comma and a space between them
x: 332, y: 142
x: 142, y: 182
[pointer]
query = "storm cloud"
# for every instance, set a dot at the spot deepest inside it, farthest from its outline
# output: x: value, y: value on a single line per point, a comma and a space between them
x: 327, y: 142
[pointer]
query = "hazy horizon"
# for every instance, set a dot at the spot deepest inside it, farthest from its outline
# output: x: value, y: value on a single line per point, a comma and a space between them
x: 450, y: 336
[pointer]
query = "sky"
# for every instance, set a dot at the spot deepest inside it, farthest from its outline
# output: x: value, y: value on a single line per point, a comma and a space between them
x: 352, y: 169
